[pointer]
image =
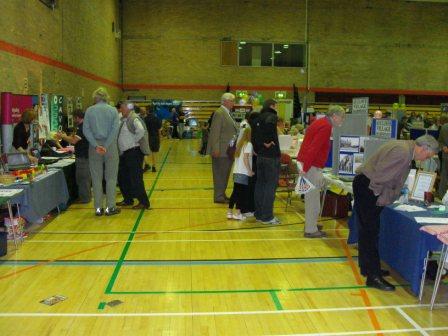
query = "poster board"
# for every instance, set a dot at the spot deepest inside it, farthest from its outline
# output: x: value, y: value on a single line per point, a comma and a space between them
x: 424, y: 182
x: 360, y: 105
x: 44, y: 117
x: 351, y: 154
x: 384, y: 128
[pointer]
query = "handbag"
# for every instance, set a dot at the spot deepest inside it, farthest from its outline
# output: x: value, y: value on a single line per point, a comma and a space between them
x: 231, y: 149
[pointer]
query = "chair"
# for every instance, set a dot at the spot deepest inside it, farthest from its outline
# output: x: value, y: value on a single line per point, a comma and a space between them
x: 441, y: 231
x: 288, y: 177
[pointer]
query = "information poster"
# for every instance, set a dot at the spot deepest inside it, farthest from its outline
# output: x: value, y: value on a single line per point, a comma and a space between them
x: 69, y: 109
x: 79, y: 103
x: 351, y: 154
x: 384, y: 128
x: 56, y: 108
x: 44, y: 117
x: 360, y: 105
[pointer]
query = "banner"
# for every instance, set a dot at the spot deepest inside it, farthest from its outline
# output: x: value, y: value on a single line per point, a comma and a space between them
x: 44, y: 117
x: 384, y: 128
x: 56, y: 115
x: 162, y: 107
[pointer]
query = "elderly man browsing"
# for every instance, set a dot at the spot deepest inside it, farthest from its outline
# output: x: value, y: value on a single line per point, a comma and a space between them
x: 378, y: 183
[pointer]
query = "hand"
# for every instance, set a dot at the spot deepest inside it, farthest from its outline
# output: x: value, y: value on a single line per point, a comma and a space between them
x: 100, y: 150
x: 61, y: 135
x: 268, y: 145
x: 251, y: 173
x: 33, y: 160
x: 215, y: 154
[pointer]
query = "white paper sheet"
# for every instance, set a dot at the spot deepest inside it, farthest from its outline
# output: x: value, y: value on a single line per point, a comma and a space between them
x: 9, y: 192
x: 409, y: 208
x: 432, y: 220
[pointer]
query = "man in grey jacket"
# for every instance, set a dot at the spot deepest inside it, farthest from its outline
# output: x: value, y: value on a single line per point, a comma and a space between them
x: 223, y: 129
x: 378, y: 183
x: 100, y: 128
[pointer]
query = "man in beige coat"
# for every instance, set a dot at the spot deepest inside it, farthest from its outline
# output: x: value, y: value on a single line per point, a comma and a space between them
x: 222, y: 130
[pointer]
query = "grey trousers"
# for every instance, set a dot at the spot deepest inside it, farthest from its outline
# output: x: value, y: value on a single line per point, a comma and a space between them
x: 312, y: 199
x: 221, y: 170
x: 83, y: 179
x: 107, y: 166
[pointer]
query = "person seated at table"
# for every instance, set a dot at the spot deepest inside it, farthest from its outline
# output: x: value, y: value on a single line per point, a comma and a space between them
x: 280, y: 126
x: 83, y: 178
x: 21, y: 133
x: 378, y: 183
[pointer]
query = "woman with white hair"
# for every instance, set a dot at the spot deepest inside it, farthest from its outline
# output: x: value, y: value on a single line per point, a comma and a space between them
x: 100, y: 127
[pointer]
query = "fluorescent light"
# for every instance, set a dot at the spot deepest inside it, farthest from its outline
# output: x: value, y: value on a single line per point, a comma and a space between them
x: 242, y: 42
x: 286, y: 46
x: 277, y: 52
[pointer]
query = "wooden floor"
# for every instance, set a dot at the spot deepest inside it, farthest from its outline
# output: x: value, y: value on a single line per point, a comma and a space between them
x: 184, y: 269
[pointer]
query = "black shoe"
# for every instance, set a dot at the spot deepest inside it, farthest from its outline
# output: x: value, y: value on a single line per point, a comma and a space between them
x: 384, y: 273
x: 112, y: 211
x: 153, y: 169
x: 141, y: 206
x: 125, y: 203
x: 379, y: 283
x: 146, y: 168
x: 99, y: 211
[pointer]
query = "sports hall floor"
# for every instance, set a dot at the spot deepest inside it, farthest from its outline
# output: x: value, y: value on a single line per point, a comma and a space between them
x: 184, y: 269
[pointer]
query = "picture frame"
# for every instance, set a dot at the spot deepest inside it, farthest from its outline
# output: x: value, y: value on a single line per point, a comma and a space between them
x: 424, y: 182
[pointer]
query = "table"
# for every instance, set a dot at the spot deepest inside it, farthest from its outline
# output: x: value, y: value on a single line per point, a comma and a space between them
x: 68, y: 166
x: 401, y: 244
x: 45, y: 193
x: 6, y: 196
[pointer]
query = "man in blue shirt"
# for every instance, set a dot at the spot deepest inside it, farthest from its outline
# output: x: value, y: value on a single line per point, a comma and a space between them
x: 100, y: 127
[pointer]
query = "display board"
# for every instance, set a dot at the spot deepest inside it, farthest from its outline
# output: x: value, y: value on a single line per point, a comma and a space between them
x: 162, y: 107
x: 360, y: 105
x: 351, y: 154
x: 354, y: 125
x: 384, y: 128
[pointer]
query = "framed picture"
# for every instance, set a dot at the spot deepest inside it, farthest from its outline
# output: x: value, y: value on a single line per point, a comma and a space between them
x: 424, y: 182
x: 349, y: 144
x: 345, y: 164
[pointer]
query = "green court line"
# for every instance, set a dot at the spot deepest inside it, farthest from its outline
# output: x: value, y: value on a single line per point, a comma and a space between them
x: 248, y: 291
x: 276, y: 300
x: 102, y: 305
x: 132, y: 234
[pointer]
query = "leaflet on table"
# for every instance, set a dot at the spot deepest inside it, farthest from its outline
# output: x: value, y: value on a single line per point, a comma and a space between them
x: 10, y: 192
x: 432, y: 220
x: 409, y: 208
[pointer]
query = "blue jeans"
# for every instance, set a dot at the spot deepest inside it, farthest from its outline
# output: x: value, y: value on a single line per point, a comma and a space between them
x: 268, y: 170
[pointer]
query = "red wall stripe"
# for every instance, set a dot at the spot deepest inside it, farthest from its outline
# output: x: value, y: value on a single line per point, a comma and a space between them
x: 22, y: 52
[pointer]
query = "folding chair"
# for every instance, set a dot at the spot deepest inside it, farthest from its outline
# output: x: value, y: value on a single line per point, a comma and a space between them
x: 288, y: 177
x: 441, y: 231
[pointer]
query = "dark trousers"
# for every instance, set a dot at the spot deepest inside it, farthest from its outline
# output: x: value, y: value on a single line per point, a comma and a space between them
x: 239, y: 197
x: 83, y: 179
x: 368, y: 225
x: 130, y: 176
x: 250, y: 204
x: 268, y: 170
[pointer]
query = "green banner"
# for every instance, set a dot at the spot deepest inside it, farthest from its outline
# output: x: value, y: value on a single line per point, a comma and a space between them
x: 56, y: 107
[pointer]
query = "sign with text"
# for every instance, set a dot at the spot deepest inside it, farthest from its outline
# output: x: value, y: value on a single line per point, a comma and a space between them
x: 360, y: 105
x: 384, y: 128
x: 56, y: 107
x: 44, y: 117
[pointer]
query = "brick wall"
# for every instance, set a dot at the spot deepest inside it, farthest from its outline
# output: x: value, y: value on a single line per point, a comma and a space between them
x: 363, y: 44
x: 77, y: 33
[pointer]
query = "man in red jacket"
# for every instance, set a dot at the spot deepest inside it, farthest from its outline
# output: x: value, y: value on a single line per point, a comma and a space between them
x: 313, y: 155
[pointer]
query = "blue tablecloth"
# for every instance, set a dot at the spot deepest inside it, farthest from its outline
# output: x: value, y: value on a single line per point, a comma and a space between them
x: 41, y: 196
x: 401, y: 245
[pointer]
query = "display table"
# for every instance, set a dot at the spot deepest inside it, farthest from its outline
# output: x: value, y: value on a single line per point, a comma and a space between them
x: 69, y: 168
x: 45, y: 193
x: 401, y: 244
x: 6, y: 197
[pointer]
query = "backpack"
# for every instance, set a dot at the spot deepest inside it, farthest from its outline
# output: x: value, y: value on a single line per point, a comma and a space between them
x: 144, y: 141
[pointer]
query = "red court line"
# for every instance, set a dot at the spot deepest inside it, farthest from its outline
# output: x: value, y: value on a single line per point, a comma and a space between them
x: 365, y: 297
x: 23, y: 52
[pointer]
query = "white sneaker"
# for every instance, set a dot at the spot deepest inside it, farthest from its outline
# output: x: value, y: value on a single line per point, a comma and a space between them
x: 248, y: 214
x: 273, y: 221
x: 229, y: 215
x: 239, y: 217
